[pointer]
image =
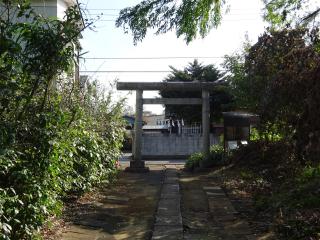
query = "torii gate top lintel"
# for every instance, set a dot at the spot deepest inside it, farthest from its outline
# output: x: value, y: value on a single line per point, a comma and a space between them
x: 182, y: 86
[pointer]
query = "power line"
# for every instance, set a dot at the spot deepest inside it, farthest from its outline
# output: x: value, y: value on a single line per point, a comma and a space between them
x: 104, y: 14
x: 223, y: 20
x: 150, y: 58
x: 226, y: 15
x: 126, y: 71
x: 104, y: 9
x: 118, y: 9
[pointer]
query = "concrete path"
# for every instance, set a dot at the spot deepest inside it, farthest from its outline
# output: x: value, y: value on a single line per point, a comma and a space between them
x: 168, y: 221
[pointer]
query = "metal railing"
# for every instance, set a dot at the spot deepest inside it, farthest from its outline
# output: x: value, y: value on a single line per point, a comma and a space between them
x: 191, y: 130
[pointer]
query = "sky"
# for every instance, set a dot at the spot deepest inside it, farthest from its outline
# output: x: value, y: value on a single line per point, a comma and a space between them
x: 108, y: 48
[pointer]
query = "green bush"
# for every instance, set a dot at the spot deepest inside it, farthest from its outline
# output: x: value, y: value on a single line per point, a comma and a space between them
x: 127, y: 143
x: 193, y: 161
x: 309, y: 173
x: 269, y: 132
x: 34, y: 178
x: 216, y: 157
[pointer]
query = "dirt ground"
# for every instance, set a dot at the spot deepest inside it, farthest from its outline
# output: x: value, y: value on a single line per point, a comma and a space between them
x: 124, y: 210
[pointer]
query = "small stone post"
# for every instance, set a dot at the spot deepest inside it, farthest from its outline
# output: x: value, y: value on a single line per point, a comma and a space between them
x: 205, y: 124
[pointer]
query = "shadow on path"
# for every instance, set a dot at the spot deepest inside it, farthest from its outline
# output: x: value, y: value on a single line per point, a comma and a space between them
x: 124, y: 210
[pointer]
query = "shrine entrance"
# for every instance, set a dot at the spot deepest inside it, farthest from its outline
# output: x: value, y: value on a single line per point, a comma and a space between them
x: 137, y: 164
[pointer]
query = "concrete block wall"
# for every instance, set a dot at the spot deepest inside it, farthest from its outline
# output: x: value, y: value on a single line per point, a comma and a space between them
x: 173, y: 145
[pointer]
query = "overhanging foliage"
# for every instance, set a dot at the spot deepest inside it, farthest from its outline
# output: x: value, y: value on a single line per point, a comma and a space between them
x: 55, y: 137
x: 189, y: 18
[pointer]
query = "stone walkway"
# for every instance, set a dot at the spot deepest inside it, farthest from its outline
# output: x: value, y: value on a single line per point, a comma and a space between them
x: 227, y: 222
x: 168, y: 223
x: 207, y: 212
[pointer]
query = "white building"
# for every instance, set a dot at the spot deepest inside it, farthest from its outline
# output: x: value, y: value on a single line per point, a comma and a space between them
x: 47, y: 8
x: 52, y: 8
x: 152, y: 119
x: 57, y: 8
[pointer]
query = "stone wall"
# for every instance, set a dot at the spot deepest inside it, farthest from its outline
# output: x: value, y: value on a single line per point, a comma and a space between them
x: 161, y: 145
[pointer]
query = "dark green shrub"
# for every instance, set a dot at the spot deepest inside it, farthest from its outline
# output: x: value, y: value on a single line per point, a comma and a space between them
x: 127, y: 143
x: 309, y: 173
x: 193, y: 161
x: 216, y: 156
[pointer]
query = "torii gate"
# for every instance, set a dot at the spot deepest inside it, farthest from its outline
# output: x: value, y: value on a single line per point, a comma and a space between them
x: 137, y: 165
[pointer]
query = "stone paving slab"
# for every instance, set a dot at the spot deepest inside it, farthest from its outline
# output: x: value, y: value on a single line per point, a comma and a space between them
x: 220, y: 208
x: 223, y: 212
x: 167, y: 233
x: 169, y: 207
x: 212, y: 188
x: 170, y: 188
x: 168, y: 220
x: 216, y: 194
x: 199, y: 236
x: 173, y: 179
x: 168, y: 223
x: 169, y: 195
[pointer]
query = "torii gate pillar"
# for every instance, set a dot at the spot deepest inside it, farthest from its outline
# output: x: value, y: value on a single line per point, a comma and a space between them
x: 137, y: 165
x: 205, y: 124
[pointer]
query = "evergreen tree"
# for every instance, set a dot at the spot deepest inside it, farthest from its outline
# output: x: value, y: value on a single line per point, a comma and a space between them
x: 195, y: 71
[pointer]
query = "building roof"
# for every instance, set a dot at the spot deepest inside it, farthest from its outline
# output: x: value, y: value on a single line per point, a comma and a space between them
x: 239, y: 118
x: 238, y: 114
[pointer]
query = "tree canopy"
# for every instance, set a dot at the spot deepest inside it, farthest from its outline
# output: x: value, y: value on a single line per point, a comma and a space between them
x: 191, y: 19
x: 282, y: 13
x: 277, y: 78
